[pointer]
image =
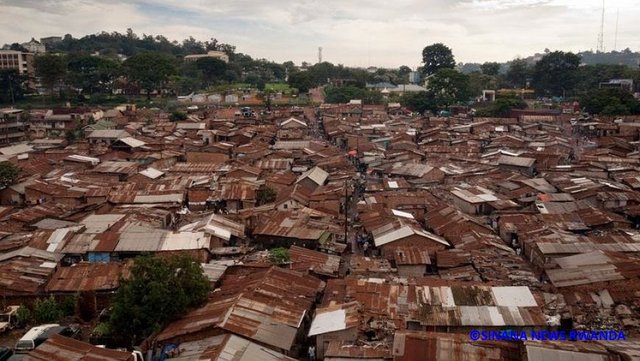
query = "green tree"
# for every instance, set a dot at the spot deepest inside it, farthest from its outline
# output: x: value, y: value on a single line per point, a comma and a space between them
x: 502, y: 107
x: 212, y: 70
x: 338, y: 95
x: 479, y: 82
x: 419, y: 102
x: 92, y: 74
x: 266, y: 195
x: 448, y: 87
x: 301, y: 81
x: 279, y: 255
x: 177, y: 116
x: 8, y: 174
x: 555, y: 74
x: 435, y: 57
x: 12, y: 86
x: 23, y: 314
x: 490, y: 68
x: 47, y: 310
x: 518, y: 73
x: 159, y: 290
x: 610, y: 101
x: 51, y: 70
x: 149, y: 70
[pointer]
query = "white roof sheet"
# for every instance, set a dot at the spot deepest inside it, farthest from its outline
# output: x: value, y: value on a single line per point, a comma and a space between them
x: 152, y: 173
x: 513, y: 296
x: 185, y: 240
x: 328, y: 322
x: 402, y: 214
x: 99, y: 223
x: 16, y: 149
x: 132, y: 142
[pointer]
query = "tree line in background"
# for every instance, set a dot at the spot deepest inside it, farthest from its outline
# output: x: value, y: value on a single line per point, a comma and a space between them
x: 92, y: 66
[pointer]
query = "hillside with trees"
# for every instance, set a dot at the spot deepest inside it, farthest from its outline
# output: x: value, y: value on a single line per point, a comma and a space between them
x: 90, y: 69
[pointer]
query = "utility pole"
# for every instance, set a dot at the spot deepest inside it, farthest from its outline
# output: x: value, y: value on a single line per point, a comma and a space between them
x: 346, y: 213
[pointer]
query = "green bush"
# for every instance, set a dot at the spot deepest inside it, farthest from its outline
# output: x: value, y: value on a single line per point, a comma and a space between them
x: 68, y: 305
x: 279, y: 255
x: 177, y: 116
x: 47, y: 310
x: 23, y: 314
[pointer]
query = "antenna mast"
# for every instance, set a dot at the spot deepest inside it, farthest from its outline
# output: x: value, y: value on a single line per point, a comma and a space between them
x: 601, y: 34
x: 615, y: 41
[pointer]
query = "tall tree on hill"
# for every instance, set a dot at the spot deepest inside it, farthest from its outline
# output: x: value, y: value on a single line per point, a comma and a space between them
x: 518, y: 73
x: 435, y: 57
x: 51, y: 69
x: 448, y: 87
x: 92, y: 74
x: 212, y: 70
x: 12, y: 86
x: 490, y: 68
x: 555, y: 73
x: 149, y: 70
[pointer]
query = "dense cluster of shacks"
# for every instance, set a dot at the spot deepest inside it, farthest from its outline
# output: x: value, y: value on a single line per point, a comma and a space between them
x: 522, y: 223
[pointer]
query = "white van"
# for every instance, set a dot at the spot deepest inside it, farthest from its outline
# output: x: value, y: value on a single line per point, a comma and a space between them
x: 33, y: 338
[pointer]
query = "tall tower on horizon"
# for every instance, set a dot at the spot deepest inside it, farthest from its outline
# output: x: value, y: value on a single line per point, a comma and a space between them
x: 319, y: 54
x: 601, y: 34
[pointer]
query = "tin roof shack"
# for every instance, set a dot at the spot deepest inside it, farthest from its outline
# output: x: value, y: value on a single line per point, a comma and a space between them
x: 106, y: 136
x: 267, y: 306
x: 284, y: 229
x: 389, y: 306
x: 413, y: 346
x: 522, y: 165
x: 412, y: 261
x: 25, y: 271
x: 565, y: 350
x: 320, y: 264
x: 62, y: 348
x: 225, y: 347
x: 100, y: 277
x: 334, y: 323
x: 313, y: 178
x: 476, y: 200
x: 594, y: 267
x: 224, y: 232
x: 406, y: 235
x: 345, y: 351
x: 117, y: 170
x: 40, y: 192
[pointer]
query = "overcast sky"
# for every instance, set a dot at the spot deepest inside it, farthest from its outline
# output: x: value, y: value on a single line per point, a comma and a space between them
x: 386, y: 33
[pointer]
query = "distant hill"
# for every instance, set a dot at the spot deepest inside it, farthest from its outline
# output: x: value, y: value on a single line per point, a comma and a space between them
x: 623, y: 57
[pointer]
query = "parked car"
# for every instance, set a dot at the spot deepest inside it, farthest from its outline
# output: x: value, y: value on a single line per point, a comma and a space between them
x: 8, y: 318
x: 5, y: 353
x: 33, y: 338
x: 39, y: 334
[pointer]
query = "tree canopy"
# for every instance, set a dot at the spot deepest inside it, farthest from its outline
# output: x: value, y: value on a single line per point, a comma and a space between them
x: 159, y: 290
x: 448, y: 87
x: 435, y: 57
x: 610, y: 101
x: 149, y: 70
x: 12, y: 85
x: 8, y: 174
x: 490, y: 68
x: 555, y: 73
x: 51, y: 69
